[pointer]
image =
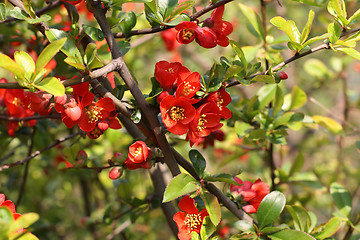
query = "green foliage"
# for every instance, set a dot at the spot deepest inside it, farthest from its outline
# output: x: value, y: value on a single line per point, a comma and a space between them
x: 180, y: 185
x: 270, y: 208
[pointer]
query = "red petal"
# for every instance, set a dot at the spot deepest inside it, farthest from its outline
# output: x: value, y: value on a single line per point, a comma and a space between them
x: 187, y: 204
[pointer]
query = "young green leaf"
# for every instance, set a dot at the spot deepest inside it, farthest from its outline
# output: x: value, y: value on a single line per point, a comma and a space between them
x: 48, y: 53
x: 278, y: 101
x: 207, y: 228
x: 328, y: 123
x: 180, y: 185
x: 212, y: 206
x: 23, y: 221
x: 355, y: 17
x: 297, y: 165
x: 222, y: 177
x: 254, y: 19
x: 288, y: 234
x: 24, y: 60
x: 2, y: 11
x: 351, y: 52
x: 10, y: 65
x: 198, y: 162
x: 335, y: 30
x: 306, y: 30
x: 298, y: 98
x: 341, y: 197
x: 300, y: 216
x: 288, y: 27
x: 93, y: 32
x: 239, y: 52
x: 51, y: 85
x: 328, y: 229
x: 270, y: 208
x: 90, y: 53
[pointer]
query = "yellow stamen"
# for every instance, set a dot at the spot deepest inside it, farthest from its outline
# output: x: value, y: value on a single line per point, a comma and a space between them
x: 177, y: 113
x: 192, y: 221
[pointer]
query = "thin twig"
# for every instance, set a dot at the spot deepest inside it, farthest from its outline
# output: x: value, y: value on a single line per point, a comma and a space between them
x: 57, y: 142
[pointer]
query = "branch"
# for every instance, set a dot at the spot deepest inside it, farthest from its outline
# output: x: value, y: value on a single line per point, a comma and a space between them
x: 57, y: 142
x: 163, y: 28
x: 10, y: 118
x: 124, y: 72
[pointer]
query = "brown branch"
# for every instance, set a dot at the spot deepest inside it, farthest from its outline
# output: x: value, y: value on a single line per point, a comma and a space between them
x: 163, y: 28
x: 124, y: 72
x: 10, y: 118
x: 57, y: 142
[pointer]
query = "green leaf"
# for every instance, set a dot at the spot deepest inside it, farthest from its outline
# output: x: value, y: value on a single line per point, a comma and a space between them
x: 278, y: 101
x: 198, y: 162
x: 295, y: 46
x: 221, y: 177
x: 93, y: 32
x: 43, y: 18
x: 175, y: 21
x: 180, y: 185
x: 24, y: 221
x: 328, y: 123
x: 288, y: 234
x: 263, y: 78
x: 355, y: 17
x: 21, y: 236
x: 266, y: 94
x: 300, y: 216
x: 6, y: 216
x: 69, y: 48
x: 270, y: 208
x: 254, y: 19
x: 2, y: 12
x: 90, y: 53
x: 335, y: 30
x: 337, y: 8
x: 341, y: 197
x: 124, y: 47
x: 207, y: 228
x: 51, y: 85
x: 212, y: 206
x: 306, y: 30
x: 17, y: 13
x: 72, y: 61
x: 10, y: 65
x: 48, y: 53
x: 166, y: 7
x: 328, y: 229
x: 195, y: 236
x: 288, y: 27
x: 298, y: 98
x: 297, y: 165
x: 351, y: 52
x: 24, y: 60
x: 316, y: 38
x: 239, y: 52
x: 181, y: 8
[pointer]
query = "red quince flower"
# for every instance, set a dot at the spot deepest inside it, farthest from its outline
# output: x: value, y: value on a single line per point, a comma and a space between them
x: 206, y: 37
x: 188, y: 85
x: 221, y: 28
x: 221, y: 98
x: 73, y: 2
x: 115, y: 173
x: 139, y: 154
x: 167, y: 73
x: 206, y: 120
x: 252, y: 193
x: 177, y: 113
x: 186, y: 32
x: 189, y: 219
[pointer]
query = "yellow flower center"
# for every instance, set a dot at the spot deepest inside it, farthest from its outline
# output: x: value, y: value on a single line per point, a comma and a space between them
x: 16, y: 102
x: 96, y: 132
x: 170, y: 70
x: 177, y: 113
x: 188, y: 88
x: 187, y: 34
x: 138, y: 151
x: 192, y: 221
x: 202, y: 121
x: 93, y: 112
x: 220, y: 101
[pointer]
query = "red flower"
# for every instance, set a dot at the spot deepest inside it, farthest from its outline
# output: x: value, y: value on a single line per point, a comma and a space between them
x: 221, y: 98
x: 189, y: 219
x: 167, y: 73
x: 186, y: 32
x: 206, y: 120
x: 139, y: 154
x: 73, y: 2
x: 252, y: 193
x: 177, y: 113
x: 221, y: 28
x: 115, y: 173
x: 187, y: 87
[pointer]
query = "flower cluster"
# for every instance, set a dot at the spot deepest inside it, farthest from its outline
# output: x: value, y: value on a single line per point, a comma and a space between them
x: 11, y: 206
x: 22, y: 104
x: 211, y: 32
x: 80, y: 108
x: 181, y: 111
x: 189, y: 219
x: 251, y: 193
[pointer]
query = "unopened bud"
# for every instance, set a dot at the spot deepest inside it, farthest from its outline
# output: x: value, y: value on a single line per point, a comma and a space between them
x: 115, y: 173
